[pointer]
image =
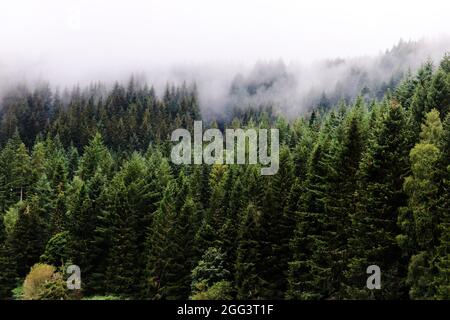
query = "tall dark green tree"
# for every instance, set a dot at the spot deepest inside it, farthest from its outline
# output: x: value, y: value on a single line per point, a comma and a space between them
x: 278, y: 225
x: 170, y: 244
x: 380, y: 197
x: 339, y: 203
x: 250, y: 283
x: 307, y: 277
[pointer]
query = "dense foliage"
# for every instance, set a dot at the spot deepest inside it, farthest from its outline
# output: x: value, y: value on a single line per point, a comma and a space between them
x: 85, y: 179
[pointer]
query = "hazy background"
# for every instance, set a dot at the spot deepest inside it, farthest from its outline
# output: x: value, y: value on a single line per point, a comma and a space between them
x: 218, y: 44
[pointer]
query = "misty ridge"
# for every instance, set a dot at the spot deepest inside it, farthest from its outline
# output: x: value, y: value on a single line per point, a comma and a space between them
x: 295, y: 89
x: 290, y: 89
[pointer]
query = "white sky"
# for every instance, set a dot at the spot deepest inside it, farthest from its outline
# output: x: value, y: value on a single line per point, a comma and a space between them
x: 78, y: 36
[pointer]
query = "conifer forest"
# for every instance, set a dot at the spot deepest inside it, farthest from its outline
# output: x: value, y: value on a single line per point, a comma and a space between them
x: 214, y: 159
x: 86, y: 179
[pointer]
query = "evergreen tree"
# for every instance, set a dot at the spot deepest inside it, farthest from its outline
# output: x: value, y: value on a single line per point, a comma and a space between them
x: 339, y: 204
x: 278, y: 225
x: 57, y: 251
x: 95, y: 157
x: 228, y: 234
x: 209, y: 271
x: 306, y: 279
x: 382, y: 171
x: 421, y: 225
x: 29, y: 236
x: 122, y: 272
x: 250, y: 283
x: 438, y: 96
x: 442, y: 259
x: 7, y: 265
x: 170, y: 257
x: 129, y: 198
x: 84, y: 207
x: 419, y: 105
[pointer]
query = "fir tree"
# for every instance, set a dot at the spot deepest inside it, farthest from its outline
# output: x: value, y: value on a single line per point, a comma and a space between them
x: 382, y: 171
x: 250, y: 283
x: 170, y: 244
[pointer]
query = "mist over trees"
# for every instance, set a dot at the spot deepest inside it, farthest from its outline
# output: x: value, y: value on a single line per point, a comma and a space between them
x: 85, y: 179
x: 296, y: 89
x: 292, y: 88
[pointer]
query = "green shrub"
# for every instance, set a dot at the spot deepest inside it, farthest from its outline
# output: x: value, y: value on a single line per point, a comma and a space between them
x: 44, y: 283
x: 18, y: 293
x: 221, y: 290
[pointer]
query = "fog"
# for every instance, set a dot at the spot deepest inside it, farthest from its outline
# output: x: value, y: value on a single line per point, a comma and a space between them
x: 238, y: 52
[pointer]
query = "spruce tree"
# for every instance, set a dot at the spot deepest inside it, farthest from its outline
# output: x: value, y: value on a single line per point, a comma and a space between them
x: 170, y: 252
x: 84, y: 207
x: 29, y: 236
x: 419, y: 105
x: 438, y: 96
x: 129, y: 197
x: 250, y: 283
x: 339, y: 203
x: 278, y: 225
x: 8, y: 273
x: 122, y: 273
x: 95, y: 156
x: 228, y: 234
x: 380, y: 197
x: 306, y: 277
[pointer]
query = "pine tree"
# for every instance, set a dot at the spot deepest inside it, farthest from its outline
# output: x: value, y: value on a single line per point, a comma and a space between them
x: 28, y: 238
x: 405, y: 91
x: 250, y: 283
x: 170, y: 253
x: 37, y: 161
x: 14, y: 172
x: 122, y: 272
x: 278, y: 224
x: 96, y: 156
x: 84, y: 207
x: 129, y: 199
x: 380, y: 197
x: 7, y: 265
x: 438, y: 96
x: 21, y: 171
x: 339, y: 203
x: 228, y: 234
x: 8, y: 276
x: 216, y: 213
x: 306, y: 278
x: 419, y: 105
